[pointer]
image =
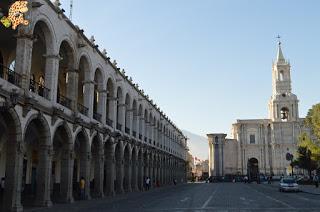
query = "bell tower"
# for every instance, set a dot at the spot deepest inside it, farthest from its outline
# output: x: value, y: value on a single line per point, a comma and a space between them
x: 283, y: 105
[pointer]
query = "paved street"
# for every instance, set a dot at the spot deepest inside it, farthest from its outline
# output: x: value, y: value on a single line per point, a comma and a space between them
x: 202, y: 197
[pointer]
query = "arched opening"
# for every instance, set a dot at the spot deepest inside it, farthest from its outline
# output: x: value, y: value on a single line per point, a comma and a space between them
x: 146, y: 127
x: 35, y: 189
x: 253, y: 169
x: 127, y: 169
x: 109, y: 103
x: 10, y: 174
x: 140, y: 122
x: 81, y: 167
x: 96, y: 178
x: 127, y: 114
x: 134, y: 119
x: 150, y: 131
x: 109, y: 180
x: 60, y: 171
x: 134, y: 167
x: 119, y: 168
x: 281, y: 75
x: 140, y: 170
x: 8, y: 46
x: 38, y: 74
x: 145, y: 166
x: 84, y: 71
x: 120, y: 113
x: 284, y: 114
x: 97, y: 100
x: 66, y: 75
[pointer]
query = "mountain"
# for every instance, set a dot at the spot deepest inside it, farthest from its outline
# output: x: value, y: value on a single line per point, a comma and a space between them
x: 197, y: 144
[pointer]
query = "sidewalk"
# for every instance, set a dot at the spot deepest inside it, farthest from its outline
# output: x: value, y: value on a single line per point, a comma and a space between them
x: 310, y: 189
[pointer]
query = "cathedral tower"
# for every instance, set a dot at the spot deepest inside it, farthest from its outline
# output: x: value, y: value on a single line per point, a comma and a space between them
x: 283, y: 105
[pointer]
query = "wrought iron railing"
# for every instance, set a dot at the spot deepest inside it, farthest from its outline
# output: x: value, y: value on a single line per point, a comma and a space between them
x: 127, y: 130
x: 97, y: 116
x: 109, y: 122
x: 10, y: 75
x: 64, y: 101
x: 119, y: 126
x: 134, y: 133
x: 82, y: 109
x: 39, y: 89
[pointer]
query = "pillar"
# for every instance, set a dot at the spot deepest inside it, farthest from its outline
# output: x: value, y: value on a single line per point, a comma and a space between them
x: 109, y: 168
x: 67, y: 161
x: 98, y: 173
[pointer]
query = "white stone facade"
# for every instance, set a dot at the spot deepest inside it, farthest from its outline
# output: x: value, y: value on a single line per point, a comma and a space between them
x: 260, y: 146
x: 67, y: 112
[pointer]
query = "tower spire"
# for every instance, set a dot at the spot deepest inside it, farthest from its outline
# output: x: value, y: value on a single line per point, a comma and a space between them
x: 280, y: 57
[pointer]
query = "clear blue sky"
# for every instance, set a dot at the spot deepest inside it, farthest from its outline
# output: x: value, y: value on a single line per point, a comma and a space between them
x: 207, y: 63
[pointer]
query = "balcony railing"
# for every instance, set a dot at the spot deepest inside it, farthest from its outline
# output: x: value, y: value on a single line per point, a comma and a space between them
x: 97, y: 116
x: 10, y: 75
x: 109, y: 122
x: 64, y: 101
x: 83, y: 109
x: 134, y: 133
x: 140, y: 136
x: 39, y: 89
x: 119, y: 126
x: 127, y: 130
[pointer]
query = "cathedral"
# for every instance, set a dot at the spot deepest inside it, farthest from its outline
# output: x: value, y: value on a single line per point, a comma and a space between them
x: 261, y: 146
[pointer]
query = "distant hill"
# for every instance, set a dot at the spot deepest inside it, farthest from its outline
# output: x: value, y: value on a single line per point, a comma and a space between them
x: 197, y: 144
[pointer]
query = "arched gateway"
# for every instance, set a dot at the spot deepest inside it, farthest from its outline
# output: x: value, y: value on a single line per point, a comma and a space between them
x: 253, y: 169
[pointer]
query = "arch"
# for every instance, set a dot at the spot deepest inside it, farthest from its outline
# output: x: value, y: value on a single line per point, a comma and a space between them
x: 134, y: 118
x: 134, y: 168
x: 284, y: 114
x: 119, y: 167
x: 109, y: 101
x: 83, y: 90
x: 127, y: 168
x: 119, y: 112
x: 253, y: 169
x: 140, y: 175
x: 281, y: 75
x: 97, y: 99
x: 140, y: 115
x: 96, y: 178
x: 127, y: 113
x: 37, y: 140
x: 146, y: 127
x: 66, y: 74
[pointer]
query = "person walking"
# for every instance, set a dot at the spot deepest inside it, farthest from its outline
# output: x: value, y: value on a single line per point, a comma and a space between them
x: 148, y: 183
x: 82, y: 184
x: 316, y: 180
x: 246, y: 179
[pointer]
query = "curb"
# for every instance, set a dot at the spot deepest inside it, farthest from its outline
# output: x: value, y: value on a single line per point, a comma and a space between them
x: 308, y: 192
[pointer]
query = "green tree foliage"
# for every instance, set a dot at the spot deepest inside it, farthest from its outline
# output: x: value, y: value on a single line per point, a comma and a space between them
x: 313, y: 120
x: 304, y: 160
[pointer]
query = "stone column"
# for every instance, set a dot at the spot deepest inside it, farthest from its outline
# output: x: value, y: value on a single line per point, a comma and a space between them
x: 85, y: 158
x: 102, y: 106
x: 140, y: 172
x: 119, y: 172
x: 98, y: 173
x: 134, y: 172
x: 141, y: 130
x: 122, y: 118
x: 128, y: 172
x: 14, y: 169
x: 72, y: 87
x: 24, y: 58
x: 43, y: 176
x: 51, y: 75
x: 66, y: 183
x: 109, y: 169
x: 89, y: 96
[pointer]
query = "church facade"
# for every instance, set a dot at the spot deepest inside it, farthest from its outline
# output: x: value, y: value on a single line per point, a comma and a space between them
x: 261, y: 146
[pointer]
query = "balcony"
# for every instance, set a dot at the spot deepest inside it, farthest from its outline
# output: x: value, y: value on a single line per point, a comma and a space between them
x: 127, y: 130
x: 97, y: 116
x: 140, y: 136
x: 64, y: 101
x: 134, y: 133
x: 10, y: 75
x: 82, y: 109
x: 109, y: 122
x: 39, y: 89
x: 119, y: 126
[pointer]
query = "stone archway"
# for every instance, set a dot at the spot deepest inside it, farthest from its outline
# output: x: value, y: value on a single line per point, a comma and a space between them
x: 97, y: 164
x: 140, y: 174
x: 134, y: 169
x: 11, y: 171
x: 81, y: 167
x: 36, y: 163
x: 253, y: 169
x: 127, y: 169
x: 109, y: 167
x: 62, y: 164
x: 119, y: 168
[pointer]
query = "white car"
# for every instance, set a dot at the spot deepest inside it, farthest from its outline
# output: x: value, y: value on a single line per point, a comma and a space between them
x: 288, y: 184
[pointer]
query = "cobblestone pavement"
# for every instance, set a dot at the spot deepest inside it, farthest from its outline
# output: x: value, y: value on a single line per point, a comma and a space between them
x: 201, y: 197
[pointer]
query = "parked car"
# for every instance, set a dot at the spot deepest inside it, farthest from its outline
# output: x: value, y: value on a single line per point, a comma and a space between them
x: 288, y: 184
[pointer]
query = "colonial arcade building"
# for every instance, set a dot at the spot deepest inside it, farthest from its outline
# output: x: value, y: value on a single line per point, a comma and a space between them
x: 67, y: 112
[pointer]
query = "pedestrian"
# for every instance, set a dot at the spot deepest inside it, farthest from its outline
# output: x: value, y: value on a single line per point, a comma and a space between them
x: 246, y: 179
x: 82, y: 184
x: 316, y: 180
x: 269, y: 179
x: 148, y: 183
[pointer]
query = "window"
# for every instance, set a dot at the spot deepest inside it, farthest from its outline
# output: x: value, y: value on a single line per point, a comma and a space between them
x: 252, y: 139
x: 284, y: 114
x: 281, y: 75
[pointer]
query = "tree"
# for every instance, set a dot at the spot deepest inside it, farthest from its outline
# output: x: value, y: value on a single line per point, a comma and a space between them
x: 304, y: 160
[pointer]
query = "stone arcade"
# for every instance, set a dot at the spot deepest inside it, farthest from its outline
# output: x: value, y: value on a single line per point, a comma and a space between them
x: 67, y: 112
x: 261, y: 145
